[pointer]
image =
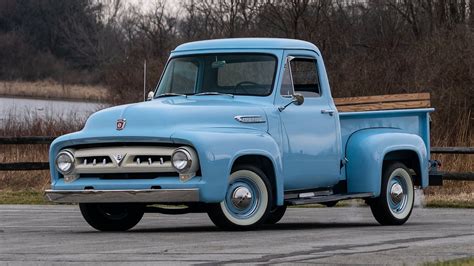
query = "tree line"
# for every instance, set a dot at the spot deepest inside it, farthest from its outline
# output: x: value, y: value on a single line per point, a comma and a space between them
x: 370, y: 47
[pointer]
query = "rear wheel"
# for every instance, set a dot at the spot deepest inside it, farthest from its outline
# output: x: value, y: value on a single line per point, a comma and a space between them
x: 112, y: 216
x: 247, y: 202
x: 395, y: 203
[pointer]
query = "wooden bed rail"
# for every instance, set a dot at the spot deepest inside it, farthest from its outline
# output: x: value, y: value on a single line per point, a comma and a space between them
x: 383, y: 102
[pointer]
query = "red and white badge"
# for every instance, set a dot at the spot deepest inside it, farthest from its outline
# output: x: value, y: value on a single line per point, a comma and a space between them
x: 121, y: 124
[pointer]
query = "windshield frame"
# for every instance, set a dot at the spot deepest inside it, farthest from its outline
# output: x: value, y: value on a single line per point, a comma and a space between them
x: 198, y: 81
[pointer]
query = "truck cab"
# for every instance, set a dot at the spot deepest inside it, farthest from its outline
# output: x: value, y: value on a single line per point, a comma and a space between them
x: 241, y: 129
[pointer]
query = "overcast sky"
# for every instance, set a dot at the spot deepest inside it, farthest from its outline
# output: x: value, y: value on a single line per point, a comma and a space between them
x: 147, y: 4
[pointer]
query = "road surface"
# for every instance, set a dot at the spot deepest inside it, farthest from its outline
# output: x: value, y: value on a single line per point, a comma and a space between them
x: 35, y: 235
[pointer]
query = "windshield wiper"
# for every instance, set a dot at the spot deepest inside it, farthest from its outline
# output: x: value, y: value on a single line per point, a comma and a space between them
x: 169, y: 94
x: 213, y: 93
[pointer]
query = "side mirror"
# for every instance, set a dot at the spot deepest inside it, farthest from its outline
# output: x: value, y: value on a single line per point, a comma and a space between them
x: 297, y: 99
x: 150, y: 96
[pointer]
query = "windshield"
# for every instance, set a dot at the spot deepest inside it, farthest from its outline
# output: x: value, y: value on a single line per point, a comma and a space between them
x: 237, y: 74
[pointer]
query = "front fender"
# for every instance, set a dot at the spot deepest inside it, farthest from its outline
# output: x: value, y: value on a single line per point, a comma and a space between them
x: 218, y: 148
x: 366, y: 150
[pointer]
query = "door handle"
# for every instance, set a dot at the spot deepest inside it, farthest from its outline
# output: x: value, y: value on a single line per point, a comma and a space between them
x: 327, y: 111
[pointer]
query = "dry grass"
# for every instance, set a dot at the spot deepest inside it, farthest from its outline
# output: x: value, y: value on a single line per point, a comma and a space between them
x: 30, y: 126
x: 445, y: 199
x: 460, y: 135
x: 27, y: 196
x: 52, y: 90
x: 20, y: 180
x: 456, y: 262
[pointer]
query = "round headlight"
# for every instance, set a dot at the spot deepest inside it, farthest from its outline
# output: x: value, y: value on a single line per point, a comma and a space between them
x: 181, y: 160
x: 64, y: 162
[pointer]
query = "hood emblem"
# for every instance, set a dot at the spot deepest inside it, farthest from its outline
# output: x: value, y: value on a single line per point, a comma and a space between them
x: 119, y: 158
x: 121, y: 123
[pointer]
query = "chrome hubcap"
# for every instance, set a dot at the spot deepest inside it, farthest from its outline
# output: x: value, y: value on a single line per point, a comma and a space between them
x: 396, y: 193
x: 397, y: 196
x: 241, y: 198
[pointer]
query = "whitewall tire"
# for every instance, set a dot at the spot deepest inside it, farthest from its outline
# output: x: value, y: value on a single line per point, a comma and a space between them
x: 247, y: 202
x: 395, y: 203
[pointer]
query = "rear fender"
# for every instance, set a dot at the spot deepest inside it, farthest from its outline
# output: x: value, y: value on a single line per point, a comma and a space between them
x: 366, y: 151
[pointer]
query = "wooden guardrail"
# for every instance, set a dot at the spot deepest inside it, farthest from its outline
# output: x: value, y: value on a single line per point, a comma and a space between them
x: 27, y: 166
x: 24, y: 166
x: 26, y: 140
x: 466, y: 176
x: 453, y: 150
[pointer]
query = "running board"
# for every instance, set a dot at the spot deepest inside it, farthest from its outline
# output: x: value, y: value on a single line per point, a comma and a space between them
x: 334, y: 197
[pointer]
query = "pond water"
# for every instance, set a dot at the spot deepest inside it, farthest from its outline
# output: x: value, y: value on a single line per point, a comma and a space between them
x: 24, y: 109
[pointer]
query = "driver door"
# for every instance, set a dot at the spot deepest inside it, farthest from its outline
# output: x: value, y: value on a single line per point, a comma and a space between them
x: 310, y: 142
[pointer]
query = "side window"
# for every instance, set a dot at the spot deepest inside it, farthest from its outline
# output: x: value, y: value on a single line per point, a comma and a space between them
x: 304, y: 77
x: 286, y: 83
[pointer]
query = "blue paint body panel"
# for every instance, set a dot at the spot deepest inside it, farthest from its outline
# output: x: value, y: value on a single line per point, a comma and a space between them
x: 305, y: 146
x: 364, y: 165
x: 247, y: 43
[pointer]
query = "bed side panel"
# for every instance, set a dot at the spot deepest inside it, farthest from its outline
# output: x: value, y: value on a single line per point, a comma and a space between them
x: 412, y: 121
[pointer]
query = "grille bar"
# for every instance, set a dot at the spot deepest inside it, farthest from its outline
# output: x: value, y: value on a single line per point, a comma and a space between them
x: 134, y: 159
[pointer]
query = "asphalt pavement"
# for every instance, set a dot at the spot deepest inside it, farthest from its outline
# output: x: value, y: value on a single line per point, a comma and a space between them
x: 53, y: 234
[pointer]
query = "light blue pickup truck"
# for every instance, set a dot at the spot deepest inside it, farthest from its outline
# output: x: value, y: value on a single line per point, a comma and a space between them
x: 241, y: 129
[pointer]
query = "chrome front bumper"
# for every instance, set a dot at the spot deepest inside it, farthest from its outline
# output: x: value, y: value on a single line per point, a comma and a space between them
x: 129, y: 196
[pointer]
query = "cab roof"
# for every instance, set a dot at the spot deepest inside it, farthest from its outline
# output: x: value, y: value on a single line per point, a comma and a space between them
x: 247, y: 43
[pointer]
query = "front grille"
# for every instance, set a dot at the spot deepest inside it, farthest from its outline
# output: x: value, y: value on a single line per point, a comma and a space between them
x: 123, y: 159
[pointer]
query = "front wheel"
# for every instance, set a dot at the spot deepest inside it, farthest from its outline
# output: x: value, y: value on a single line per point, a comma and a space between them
x: 395, y: 203
x: 276, y: 214
x: 112, y: 216
x: 247, y: 202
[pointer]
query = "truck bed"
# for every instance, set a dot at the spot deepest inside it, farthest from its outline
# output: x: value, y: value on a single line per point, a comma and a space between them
x: 408, y: 112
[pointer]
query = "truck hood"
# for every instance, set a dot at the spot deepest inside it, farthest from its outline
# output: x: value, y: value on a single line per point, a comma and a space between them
x: 160, y: 118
